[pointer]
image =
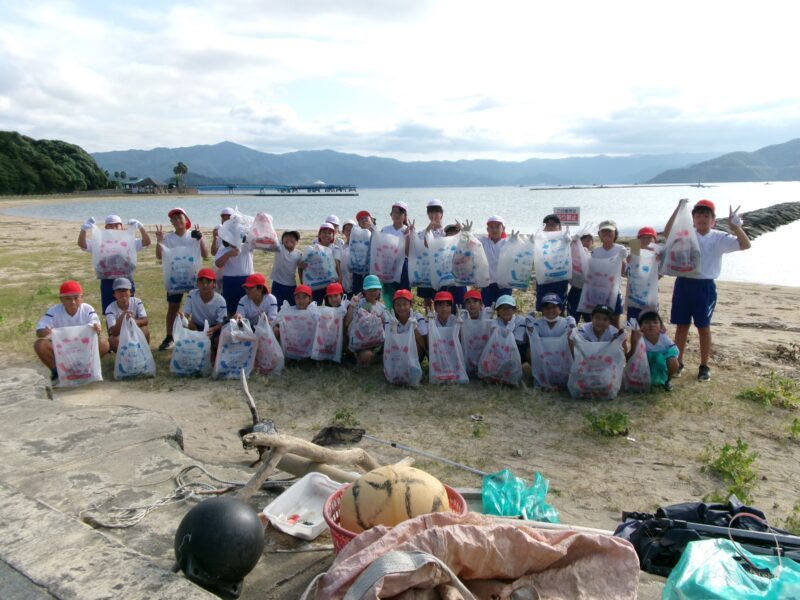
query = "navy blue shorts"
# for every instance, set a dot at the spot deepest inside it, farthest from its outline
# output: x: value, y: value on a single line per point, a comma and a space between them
x: 573, y: 300
x: 633, y: 313
x: 492, y: 292
x: 426, y: 293
x: 233, y: 291
x: 175, y: 298
x: 283, y: 292
x: 556, y: 287
x: 693, y: 300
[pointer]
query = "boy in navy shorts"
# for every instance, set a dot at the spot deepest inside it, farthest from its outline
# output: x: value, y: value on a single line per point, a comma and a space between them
x: 694, y: 299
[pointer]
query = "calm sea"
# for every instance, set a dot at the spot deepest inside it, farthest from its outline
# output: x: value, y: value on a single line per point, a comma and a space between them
x: 521, y: 208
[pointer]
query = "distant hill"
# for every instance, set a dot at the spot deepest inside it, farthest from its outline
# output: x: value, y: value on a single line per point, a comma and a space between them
x: 29, y: 166
x: 780, y: 162
x: 232, y: 163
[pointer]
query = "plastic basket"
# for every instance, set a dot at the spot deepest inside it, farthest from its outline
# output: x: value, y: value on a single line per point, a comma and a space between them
x: 342, y: 536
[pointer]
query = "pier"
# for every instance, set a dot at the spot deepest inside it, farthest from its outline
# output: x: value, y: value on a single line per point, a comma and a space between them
x: 257, y: 189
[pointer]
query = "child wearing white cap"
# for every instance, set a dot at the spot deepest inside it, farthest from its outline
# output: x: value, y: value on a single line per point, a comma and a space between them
x: 399, y: 228
x: 608, y: 234
x: 435, y: 227
x: 124, y: 306
x: 225, y: 214
x: 493, y: 243
x: 112, y: 222
x: 507, y: 318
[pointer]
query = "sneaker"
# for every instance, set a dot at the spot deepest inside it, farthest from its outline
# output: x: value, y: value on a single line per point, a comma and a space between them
x: 680, y: 370
x: 667, y: 386
x: 704, y: 373
x: 53, y: 374
x: 167, y: 344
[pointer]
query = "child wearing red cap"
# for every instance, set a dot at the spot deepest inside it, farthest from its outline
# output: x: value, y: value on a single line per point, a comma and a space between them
x: 181, y: 236
x: 334, y: 296
x: 647, y: 238
x: 72, y: 311
x: 257, y: 300
x: 473, y: 303
x: 403, y: 312
x: 694, y: 299
x: 206, y: 304
x: 443, y: 309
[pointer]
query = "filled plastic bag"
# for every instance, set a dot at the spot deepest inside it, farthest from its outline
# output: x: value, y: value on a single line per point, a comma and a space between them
x: 445, y: 358
x: 236, y: 230
x: 262, y: 233
x: 552, y: 257
x: 365, y: 330
x: 580, y: 262
x: 344, y: 269
x: 681, y: 255
x: 269, y: 354
x: 470, y: 265
x: 320, y: 267
x: 597, y: 369
x: 507, y: 495
x: 359, y: 250
x: 387, y: 255
x: 601, y: 285
x: 715, y: 570
x: 551, y: 360
x: 77, y: 355
x: 642, y: 288
x: 236, y: 350
x: 134, y: 357
x: 329, y: 335
x: 400, y: 357
x: 442, y: 251
x: 500, y: 360
x: 474, y: 336
x: 515, y: 263
x: 636, y: 376
x: 297, y: 328
x: 180, y: 266
x: 191, y: 354
x: 419, y: 261
x: 113, y: 252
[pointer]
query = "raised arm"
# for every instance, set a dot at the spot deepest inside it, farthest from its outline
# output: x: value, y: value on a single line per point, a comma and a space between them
x: 681, y: 203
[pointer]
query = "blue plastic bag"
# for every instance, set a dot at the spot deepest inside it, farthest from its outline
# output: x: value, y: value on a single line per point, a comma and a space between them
x: 507, y: 495
x: 713, y: 570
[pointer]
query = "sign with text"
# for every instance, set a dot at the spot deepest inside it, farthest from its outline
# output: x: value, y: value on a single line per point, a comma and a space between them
x: 569, y: 215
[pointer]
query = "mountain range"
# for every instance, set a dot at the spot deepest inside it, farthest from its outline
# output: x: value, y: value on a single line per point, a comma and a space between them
x: 780, y: 162
x: 227, y: 162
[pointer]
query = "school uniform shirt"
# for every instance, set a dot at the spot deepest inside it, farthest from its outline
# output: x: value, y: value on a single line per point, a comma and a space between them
x: 422, y: 324
x: 252, y: 311
x: 712, y: 246
x: 542, y: 327
x: 284, y: 269
x: 663, y: 344
x: 492, y: 250
x: 392, y: 231
x: 213, y: 311
x: 57, y: 316
x: 516, y: 325
x: 173, y: 240
x: 237, y: 266
x: 601, y: 252
x: 586, y: 331
x: 114, y: 312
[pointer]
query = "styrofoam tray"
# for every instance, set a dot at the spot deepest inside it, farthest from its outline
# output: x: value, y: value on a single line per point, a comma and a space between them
x: 298, y: 510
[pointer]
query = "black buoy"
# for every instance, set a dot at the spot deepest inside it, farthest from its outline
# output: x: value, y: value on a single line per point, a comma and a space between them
x: 218, y: 543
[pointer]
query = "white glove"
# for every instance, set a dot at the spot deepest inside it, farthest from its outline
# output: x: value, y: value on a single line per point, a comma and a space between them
x: 89, y: 224
x: 134, y: 223
x: 735, y: 219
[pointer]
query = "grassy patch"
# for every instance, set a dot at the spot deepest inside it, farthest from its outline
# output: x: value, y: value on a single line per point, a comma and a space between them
x: 609, y: 424
x: 773, y: 390
x: 794, y: 429
x: 735, y: 465
x: 792, y: 522
x: 344, y: 417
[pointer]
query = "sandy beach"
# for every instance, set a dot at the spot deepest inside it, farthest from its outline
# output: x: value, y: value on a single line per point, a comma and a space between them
x: 592, y: 478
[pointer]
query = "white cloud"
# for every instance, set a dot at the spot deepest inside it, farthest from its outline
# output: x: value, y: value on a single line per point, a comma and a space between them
x: 442, y: 79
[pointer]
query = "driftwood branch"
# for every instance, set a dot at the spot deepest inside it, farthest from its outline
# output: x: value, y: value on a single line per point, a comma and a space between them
x: 288, y: 444
x: 260, y: 476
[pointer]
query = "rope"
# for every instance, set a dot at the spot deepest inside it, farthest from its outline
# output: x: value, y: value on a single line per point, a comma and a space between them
x: 121, y: 518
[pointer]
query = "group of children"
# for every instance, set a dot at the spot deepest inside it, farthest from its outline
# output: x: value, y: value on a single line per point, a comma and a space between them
x: 246, y: 294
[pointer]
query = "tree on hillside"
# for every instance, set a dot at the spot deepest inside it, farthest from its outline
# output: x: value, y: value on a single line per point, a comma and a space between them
x: 123, y: 175
x: 116, y: 175
x: 180, y: 170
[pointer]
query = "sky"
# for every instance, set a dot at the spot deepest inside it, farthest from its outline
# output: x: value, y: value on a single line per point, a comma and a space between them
x: 408, y: 79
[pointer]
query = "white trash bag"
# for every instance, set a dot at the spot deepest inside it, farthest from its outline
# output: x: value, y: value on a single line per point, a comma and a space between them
x: 180, y: 266
x: 636, y: 377
x: 500, y: 360
x: 320, y: 267
x: 400, y: 357
x: 269, y: 355
x: 551, y: 360
x: 642, y: 287
x: 445, y: 358
x: 580, y: 262
x: 602, y: 283
x: 113, y: 252
x: 681, y: 255
x: 470, y: 265
x: 236, y: 230
x: 191, y: 354
x: 134, y: 357
x: 515, y: 263
x: 552, y: 257
x: 419, y: 261
x: 77, y: 355
x: 387, y: 255
x: 365, y: 330
x: 597, y: 369
x: 329, y: 335
x: 474, y: 335
x: 262, y: 232
x: 359, y: 250
x: 442, y: 251
x: 236, y: 350
x: 297, y: 329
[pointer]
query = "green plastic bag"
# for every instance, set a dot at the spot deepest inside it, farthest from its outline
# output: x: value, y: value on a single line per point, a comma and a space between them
x: 713, y: 570
x: 507, y: 495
